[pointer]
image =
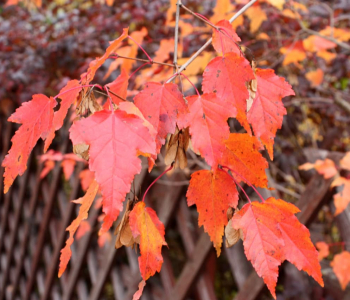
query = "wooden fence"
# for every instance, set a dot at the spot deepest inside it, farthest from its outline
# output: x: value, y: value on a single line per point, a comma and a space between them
x: 35, y: 213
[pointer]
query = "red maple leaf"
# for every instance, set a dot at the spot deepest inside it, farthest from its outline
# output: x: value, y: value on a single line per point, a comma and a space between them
x: 271, y: 234
x: 207, y: 119
x: 267, y: 111
x: 69, y: 95
x: 145, y: 224
x: 119, y: 87
x: 36, y: 118
x: 242, y: 156
x: 160, y: 104
x: 115, y: 140
x: 226, y: 39
x: 213, y: 193
x: 227, y: 76
x: 98, y: 62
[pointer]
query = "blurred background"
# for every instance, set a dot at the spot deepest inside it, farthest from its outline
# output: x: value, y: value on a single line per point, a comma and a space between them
x: 44, y: 44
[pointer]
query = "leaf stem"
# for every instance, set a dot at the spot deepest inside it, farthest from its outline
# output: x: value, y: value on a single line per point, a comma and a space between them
x: 199, y: 51
x: 140, y: 67
x: 238, y: 185
x: 116, y: 55
x: 144, y: 51
x: 247, y: 181
x: 155, y: 180
x: 191, y: 83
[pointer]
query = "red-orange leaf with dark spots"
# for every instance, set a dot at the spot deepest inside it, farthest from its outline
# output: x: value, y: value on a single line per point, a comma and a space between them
x: 243, y: 157
x: 213, y: 193
x: 267, y: 111
x: 145, y: 224
x: 207, y: 119
x: 226, y: 38
x: 160, y: 104
x: 227, y: 76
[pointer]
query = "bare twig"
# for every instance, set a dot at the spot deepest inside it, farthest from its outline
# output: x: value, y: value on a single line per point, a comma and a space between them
x: 199, y: 17
x: 177, y: 19
x: 114, y: 94
x: 194, y: 56
x: 142, y: 60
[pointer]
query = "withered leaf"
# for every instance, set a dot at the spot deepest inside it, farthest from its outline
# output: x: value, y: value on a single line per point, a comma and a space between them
x: 176, y: 148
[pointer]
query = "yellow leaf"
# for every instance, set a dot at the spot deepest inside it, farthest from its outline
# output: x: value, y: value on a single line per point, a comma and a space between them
x: 315, y: 77
x: 326, y: 55
x: 256, y: 16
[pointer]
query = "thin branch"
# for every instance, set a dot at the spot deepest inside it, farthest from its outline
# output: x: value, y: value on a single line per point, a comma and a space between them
x: 199, y: 17
x: 194, y: 56
x: 142, y: 60
x: 177, y: 19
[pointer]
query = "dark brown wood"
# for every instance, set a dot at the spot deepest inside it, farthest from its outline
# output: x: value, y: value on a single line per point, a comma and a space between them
x: 191, y: 268
x: 45, y: 224
x: 67, y: 217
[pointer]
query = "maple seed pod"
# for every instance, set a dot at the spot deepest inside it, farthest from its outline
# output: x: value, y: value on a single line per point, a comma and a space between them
x: 82, y: 151
x: 176, y: 148
x: 232, y: 235
x: 229, y: 213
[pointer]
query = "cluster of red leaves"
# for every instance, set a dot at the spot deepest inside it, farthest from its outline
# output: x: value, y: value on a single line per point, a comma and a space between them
x: 122, y: 131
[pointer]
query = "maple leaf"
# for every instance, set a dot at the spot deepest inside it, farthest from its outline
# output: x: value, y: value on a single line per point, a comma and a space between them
x: 115, y: 140
x: 341, y: 199
x: 86, y: 177
x: 242, y: 156
x: 119, y: 87
x: 213, y: 193
x: 224, y: 41
x: 207, y: 119
x: 341, y: 267
x: 69, y: 95
x: 272, y: 228
x: 324, y: 167
x: 36, y: 118
x: 256, y: 16
x: 315, y: 77
x: 316, y: 43
x: 267, y: 110
x: 98, y: 62
x: 160, y: 105
x: 323, y: 250
x: 261, y: 239
x: 86, y: 203
x: 298, y: 248
x: 145, y: 224
x: 227, y: 76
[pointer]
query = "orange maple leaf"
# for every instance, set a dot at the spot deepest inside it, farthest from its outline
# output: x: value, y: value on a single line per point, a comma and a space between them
x: 323, y: 250
x: 341, y: 267
x: 242, y: 156
x: 341, y: 199
x: 86, y: 203
x: 213, y: 193
x: 145, y: 224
